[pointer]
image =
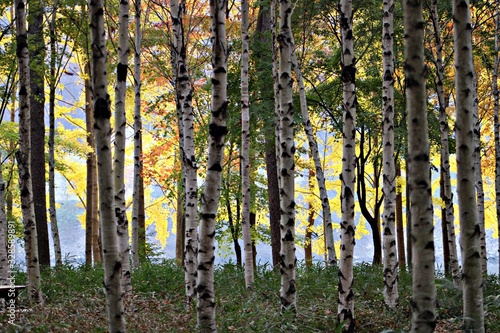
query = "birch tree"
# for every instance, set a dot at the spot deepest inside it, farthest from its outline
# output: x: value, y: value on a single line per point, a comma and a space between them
x: 320, y: 175
x: 389, y: 169
x: 286, y: 165
x: 102, y: 114
x: 23, y: 157
x: 211, y: 193
x: 422, y: 227
x: 446, y: 192
x: 470, y: 230
x: 120, y: 139
x: 136, y: 204
x: 184, y: 92
x: 345, y: 312
x: 245, y: 149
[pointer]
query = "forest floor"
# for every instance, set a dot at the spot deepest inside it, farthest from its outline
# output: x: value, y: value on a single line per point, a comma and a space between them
x: 75, y: 302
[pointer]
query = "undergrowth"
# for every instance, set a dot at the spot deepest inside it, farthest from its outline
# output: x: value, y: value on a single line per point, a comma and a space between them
x: 75, y: 302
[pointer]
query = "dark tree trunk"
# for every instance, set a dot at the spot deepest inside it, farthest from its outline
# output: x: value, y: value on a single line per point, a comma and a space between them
x: 37, y: 104
x: 273, y: 199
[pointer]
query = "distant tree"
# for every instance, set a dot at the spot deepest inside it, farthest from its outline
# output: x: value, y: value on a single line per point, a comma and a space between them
x: 422, y: 227
x: 102, y: 127
x: 23, y: 157
x: 345, y: 312
x: 446, y: 192
x: 470, y: 229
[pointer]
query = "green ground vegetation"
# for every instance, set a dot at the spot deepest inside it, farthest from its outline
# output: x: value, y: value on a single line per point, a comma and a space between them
x: 75, y: 302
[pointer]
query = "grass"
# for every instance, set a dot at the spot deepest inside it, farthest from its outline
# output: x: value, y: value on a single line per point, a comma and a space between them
x: 75, y: 302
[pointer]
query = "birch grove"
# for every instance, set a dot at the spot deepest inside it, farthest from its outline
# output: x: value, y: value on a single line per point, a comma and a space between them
x: 422, y: 227
x: 211, y: 193
x: 345, y: 310
x: 389, y: 169
x: 23, y: 158
x: 102, y: 114
x: 470, y: 229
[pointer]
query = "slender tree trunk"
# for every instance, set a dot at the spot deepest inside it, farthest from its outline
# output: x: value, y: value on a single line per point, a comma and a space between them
x: 4, y: 238
x: 91, y: 214
x: 210, y: 197
x: 286, y: 149
x: 37, y: 116
x: 119, y: 149
x: 347, y: 227
x: 234, y: 233
x: 399, y: 221
x: 446, y: 192
x: 497, y: 122
x: 184, y: 96
x: 245, y: 149
x: 102, y: 114
x: 422, y: 227
x: 470, y: 229
x: 389, y: 178
x: 23, y: 157
x: 263, y: 27
x: 310, y: 225
x: 137, y: 137
x: 409, y: 246
x: 52, y: 187
x: 478, y: 181
x: 320, y: 176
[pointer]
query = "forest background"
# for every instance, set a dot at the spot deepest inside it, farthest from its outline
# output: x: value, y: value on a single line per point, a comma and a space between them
x: 317, y: 48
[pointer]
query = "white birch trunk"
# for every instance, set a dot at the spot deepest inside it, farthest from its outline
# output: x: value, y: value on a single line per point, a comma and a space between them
x: 23, y: 157
x: 245, y: 149
x: 496, y: 122
x: 210, y: 198
x: 137, y: 136
x: 422, y: 227
x: 470, y: 229
x: 288, y: 260
x: 447, y: 194
x: 119, y: 149
x: 102, y: 114
x: 4, y: 262
x: 184, y: 95
x: 320, y: 176
x: 390, y: 257
x: 345, y: 312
